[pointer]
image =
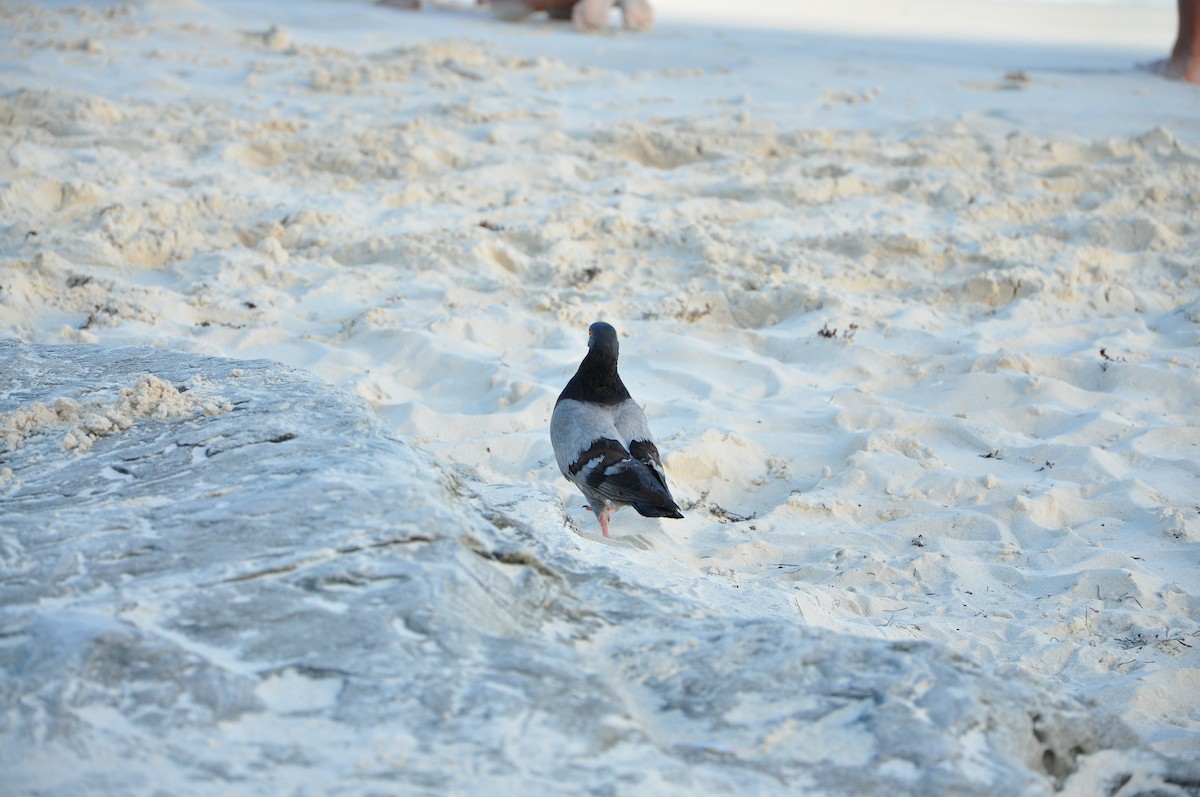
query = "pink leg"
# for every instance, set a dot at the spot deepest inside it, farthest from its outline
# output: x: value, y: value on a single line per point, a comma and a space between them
x: 591, y: 16
x: 603, y: 518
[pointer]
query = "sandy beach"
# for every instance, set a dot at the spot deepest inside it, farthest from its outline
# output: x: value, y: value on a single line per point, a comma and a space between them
x: 913, y: 307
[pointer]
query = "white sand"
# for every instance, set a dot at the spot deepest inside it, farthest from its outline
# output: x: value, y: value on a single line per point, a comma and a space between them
x: 996, y: 448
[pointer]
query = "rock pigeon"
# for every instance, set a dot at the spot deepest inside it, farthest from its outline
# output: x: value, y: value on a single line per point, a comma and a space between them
x: 601, y: 439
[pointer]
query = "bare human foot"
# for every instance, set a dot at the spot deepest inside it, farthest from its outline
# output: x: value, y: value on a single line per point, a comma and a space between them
x: 516, y: 10
x: 591, y: 16
x: 1184, y: 62
x: 637, y: 15
x: 508, y: 10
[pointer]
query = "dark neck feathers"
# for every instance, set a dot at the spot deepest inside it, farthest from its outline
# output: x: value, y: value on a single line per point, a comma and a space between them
x: 597, y: 380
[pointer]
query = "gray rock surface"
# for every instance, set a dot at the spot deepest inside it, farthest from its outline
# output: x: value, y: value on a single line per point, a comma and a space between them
x: 249, y: 586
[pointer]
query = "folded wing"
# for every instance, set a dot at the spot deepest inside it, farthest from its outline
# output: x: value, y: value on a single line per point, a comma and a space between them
x: 624, y: 479
x: 607, y: 451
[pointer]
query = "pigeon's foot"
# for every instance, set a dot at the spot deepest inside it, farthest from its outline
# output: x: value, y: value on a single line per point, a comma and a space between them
x: 602, y: 516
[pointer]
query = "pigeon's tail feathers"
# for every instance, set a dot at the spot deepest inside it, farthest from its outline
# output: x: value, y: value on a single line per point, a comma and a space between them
x: 632, y: 482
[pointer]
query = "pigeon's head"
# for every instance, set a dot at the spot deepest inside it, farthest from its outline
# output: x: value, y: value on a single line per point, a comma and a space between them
x: 602, y: 340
